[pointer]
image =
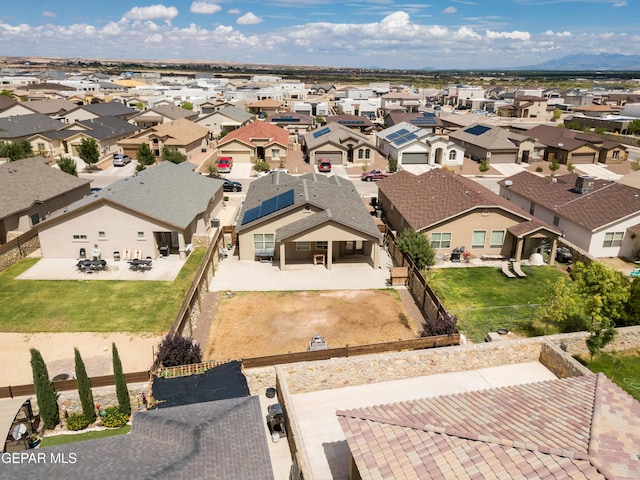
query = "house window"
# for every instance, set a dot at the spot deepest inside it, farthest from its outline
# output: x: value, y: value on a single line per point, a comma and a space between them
x: 79, y: 237
x: 615, y: 155
x: 102, y: 235
x: 613, y: 239
x: 440, y: 240
x: 303, y: 246
x: 35, y: 219
x: 360, y: 153
x: 275, y: 153
x: 367, y: 154
x: 41, y: 148
x: 497, y: 238
x: 556, y: 220
x: 532, y: 208
x: 322, y: 246
x: 262, y: 241
x: 452, y: 155
x: 479, y: 237
x: 140, y: 234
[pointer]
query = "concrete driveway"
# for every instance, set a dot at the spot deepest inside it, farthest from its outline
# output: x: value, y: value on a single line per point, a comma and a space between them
x: 598, y: 171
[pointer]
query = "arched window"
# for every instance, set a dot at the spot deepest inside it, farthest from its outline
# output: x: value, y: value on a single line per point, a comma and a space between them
x: 367, y: 154
x: 359, y: 153
x: 452, y: 155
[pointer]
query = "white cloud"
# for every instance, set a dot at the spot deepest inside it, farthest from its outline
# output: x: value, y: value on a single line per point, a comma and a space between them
x: 204, y: 7
x: 248, y: 19
x: 620, y: 4
x: 465, y: 32
x: 551, y: 33
x: 152, y: 12
x: 49, y: 14
x: 234, y: 11
x: 449, y: 10
x: 155, y: 38
x: 515, y: 35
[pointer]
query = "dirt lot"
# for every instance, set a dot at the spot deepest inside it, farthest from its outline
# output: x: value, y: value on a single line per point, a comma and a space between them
x: 253, y: 324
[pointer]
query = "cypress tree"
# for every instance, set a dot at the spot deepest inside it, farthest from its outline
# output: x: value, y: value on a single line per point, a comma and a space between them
x: 84, y: 389
x: 45, y: 393
x: 124, y: 403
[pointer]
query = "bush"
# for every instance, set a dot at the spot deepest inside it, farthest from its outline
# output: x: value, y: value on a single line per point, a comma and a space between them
x: 177, y: 350
x: 114, y: 418
x: 444, y: 325
x: 77, y: 421
x: 539, y: 169
x: 262, y: 166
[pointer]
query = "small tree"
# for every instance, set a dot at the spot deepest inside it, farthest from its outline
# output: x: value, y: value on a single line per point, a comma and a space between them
x: 571, y: 167
x: 177, y: 350
x: 122, y: 392
x: 262, y: 166
x: 15, y: 150
x: 84, y: 389
x: 88, y: 151
x: 213, y: 171
x: 560, y: 304
x: 187, y: 105
x: 417, y: 247
x: 144, y: 155
x: 139, y: 106
x: 632, y: 308
x: 393, y: 164
x: 172, y: 155
x: 634, y: 127
x: 45, y: 393
x: 557, y: 113
x: 68, y: 165
x: 554, y: 166
x: 484, y: 166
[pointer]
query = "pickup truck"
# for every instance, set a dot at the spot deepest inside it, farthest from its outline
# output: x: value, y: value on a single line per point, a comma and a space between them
x: 375, y: 175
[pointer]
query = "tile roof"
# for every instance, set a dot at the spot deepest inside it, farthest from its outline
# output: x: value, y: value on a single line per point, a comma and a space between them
x: 258, y: 130
x: 221, y: 440
x: 30, y: 180
x: 607, y: 203
x: 438, y: 195
x: 574, y: 428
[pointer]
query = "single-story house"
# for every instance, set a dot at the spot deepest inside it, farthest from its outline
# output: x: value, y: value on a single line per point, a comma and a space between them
x: 265, y: 108
x: 359, y: 123
x: 456, y: 212
x: 21, y: 127
x: 424, y: 120
x: 228, y: 118
x: 339, y: 144
x: 255, y: 141
x: 494, y: 144
x: 162, y: 114
x: 599, y: 216
x: 296, y: 123
x: 31, y: 191
x: 306, y: 220
x: 157, y: 210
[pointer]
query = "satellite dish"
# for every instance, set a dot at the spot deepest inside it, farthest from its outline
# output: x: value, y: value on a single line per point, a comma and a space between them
x: 19, y: 431
x: 508, y: 183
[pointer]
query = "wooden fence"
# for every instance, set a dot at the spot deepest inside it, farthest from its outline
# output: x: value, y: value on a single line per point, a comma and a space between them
x: 64, y: 385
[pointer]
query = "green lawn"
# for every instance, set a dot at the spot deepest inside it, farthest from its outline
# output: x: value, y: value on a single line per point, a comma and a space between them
x: 79, y: 437
x: 622, y: 368
x: 484, y: 299
x: 91, y: 305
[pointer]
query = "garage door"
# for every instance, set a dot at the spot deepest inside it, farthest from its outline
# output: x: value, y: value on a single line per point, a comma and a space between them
x: 503, y: 158
x: 334, y: 157
x: 131, y: 151
x: 237, y: 155
x: 582, y: 158
x: 414, y: 158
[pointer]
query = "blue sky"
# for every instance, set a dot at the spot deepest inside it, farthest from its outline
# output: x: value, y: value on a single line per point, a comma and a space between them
x: 464, y: 34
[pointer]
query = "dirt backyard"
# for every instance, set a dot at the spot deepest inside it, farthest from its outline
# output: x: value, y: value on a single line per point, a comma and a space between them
x: 253, y: 324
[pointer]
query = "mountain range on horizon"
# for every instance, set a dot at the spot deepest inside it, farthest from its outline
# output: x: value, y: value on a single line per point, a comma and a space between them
x: 585, y: 61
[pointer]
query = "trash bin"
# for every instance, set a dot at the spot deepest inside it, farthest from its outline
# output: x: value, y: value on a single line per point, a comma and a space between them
x: 215, y: 222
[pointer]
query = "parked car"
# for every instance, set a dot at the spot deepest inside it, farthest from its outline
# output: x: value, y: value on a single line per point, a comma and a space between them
x: 273, y: 170
x: 324, y: 165
x: 374, y: 175
x: 120, y: 160
x: 225, y: 164
x: 231, y: 186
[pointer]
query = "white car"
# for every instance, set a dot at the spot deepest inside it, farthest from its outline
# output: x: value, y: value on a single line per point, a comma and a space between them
x: 264, y: 174
x: 120, y: 160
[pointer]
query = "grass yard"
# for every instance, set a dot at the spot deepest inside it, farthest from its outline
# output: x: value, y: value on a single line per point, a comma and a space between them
x: 80, y: 437
x: 91, y: 305
x: 622, y: 368
x: 485, y: 300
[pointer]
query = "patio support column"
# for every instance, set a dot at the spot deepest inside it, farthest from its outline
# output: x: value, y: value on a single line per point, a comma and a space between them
x: 329, y: 255
x: 283, y: 261
x: 181, y: 246
x: 376, y: 254
x: 519, y: 246
x: 552, y: 254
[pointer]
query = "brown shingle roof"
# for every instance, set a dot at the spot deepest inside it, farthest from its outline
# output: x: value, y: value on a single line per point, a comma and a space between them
x: 574, y: 428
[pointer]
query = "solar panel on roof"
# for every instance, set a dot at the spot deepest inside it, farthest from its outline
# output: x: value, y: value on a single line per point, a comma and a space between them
x: 393, y: 135
x: 251, y: 215
x: 403, y: 131
x: 405, y: 139
x: 477, y: 130
x: 285, y: 199
x: 269, y: 206
x: 319, y: 133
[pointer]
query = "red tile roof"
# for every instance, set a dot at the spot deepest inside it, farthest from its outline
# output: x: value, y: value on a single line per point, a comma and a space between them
x: 258, y: 130
x: 574, y: 428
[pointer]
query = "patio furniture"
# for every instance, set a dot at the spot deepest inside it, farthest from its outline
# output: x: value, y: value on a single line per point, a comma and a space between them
x: 138, y: 265
x: 505, y: 270
x: 518, y: 270
x: 116, y: 256
x: 318, y: 259
x: 90, y: 266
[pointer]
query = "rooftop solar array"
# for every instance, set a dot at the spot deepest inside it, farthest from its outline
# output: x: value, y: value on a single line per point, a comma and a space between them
x: 268, y: 207
x: 477, y: 130
x: 427, y: 118
x: 319, y: 133
x: 285, y: 119
x: 405, y: 139
x: 399, y: 133
x: 351, y: 122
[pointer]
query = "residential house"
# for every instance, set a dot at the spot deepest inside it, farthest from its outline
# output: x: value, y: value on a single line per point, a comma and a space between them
x: 457, y: 95
x: 404, y: 102
x: 321, y: 89
x: 306, y: 220
x: 599, y: 216
x: 31, y: 191
x: 494, y: 144
x: 565, y: 145
x: 15, y: 109
x: 161, y: 114
x: 588, y: 431
x: 410, y: 144
x: 162, y: 207
x: 95, y: 110
x: 265, y: 108
x: 295, y: 123
x: 339, y: 144
x: 526, y: 107
x: 219, y: 440
x: 21, y: 127
x: 456, y: 212
x: 55, y: 108
x: 182, y: 135
x: 424, y: 120
x: 356, y: 122
x: 255, y: 141
x: 226, y: 119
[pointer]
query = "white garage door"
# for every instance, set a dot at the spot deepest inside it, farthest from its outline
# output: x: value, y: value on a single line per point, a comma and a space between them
x: 582, y: 158
x: 238, y: 156
x: 414, y: 158
x: 503, y: 158
x: 334, y: 157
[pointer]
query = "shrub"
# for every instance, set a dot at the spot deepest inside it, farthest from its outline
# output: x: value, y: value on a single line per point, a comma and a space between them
x: 445, y: 324
x: 45, y: 394
x: 114, y: 418
x: 393, y: 164
x: 417, y: 247
x: 177, y: 350
x: 77, y: 421
x: 124, y: 403
x: 262, y: 166
x: 84, y: 388
x: 539, y: 169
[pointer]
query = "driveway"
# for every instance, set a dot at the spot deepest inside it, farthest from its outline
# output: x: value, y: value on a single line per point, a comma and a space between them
x: 509, y: 169
x: 598, y: 171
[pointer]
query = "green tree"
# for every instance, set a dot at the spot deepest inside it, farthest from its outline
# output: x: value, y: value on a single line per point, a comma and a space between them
x: 557, y: 113
x: 139, y: 106
x: 554, y: 166
x: 68, y: 165
x: 84, y: 389
x: 172, y: 155
x: 187, y: 105
x: 140, y: 167
x: 571, y: 167
x: 600, y: 130
x: 574, y: 125
x: 261, y: 166
x: 484, y: 166
x: 15, y: 150
x: 6, y: 93
x: 213, y: 171
x: 417, y: 247
x: 223, y: 133
x: 177, y: 350
x: 144, y: 155
x: 632, y: 310
x: 634, y: 127
x: 393, y: 164
x: 122, y: 392
x: 561, y: 305
x: 88, y: 151
x: 45, y: 393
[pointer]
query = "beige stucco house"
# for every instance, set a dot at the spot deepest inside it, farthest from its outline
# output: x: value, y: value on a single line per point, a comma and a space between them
x: 255, y: 141
x: 157, y: 211
x: 307, y: 220
x: 339, y: 144
x: 494, y: 144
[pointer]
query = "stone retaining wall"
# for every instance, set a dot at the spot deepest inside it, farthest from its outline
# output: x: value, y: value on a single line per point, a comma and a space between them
x: 259, y: 379
x: 628, y: 338
x: 19, y: 252
x: 105, y: 396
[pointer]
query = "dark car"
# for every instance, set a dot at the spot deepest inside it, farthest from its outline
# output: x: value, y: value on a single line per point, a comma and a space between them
x: 231, y: 186
x: 563, y: 255
x: 324, y: 166
x: 374, y: 175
